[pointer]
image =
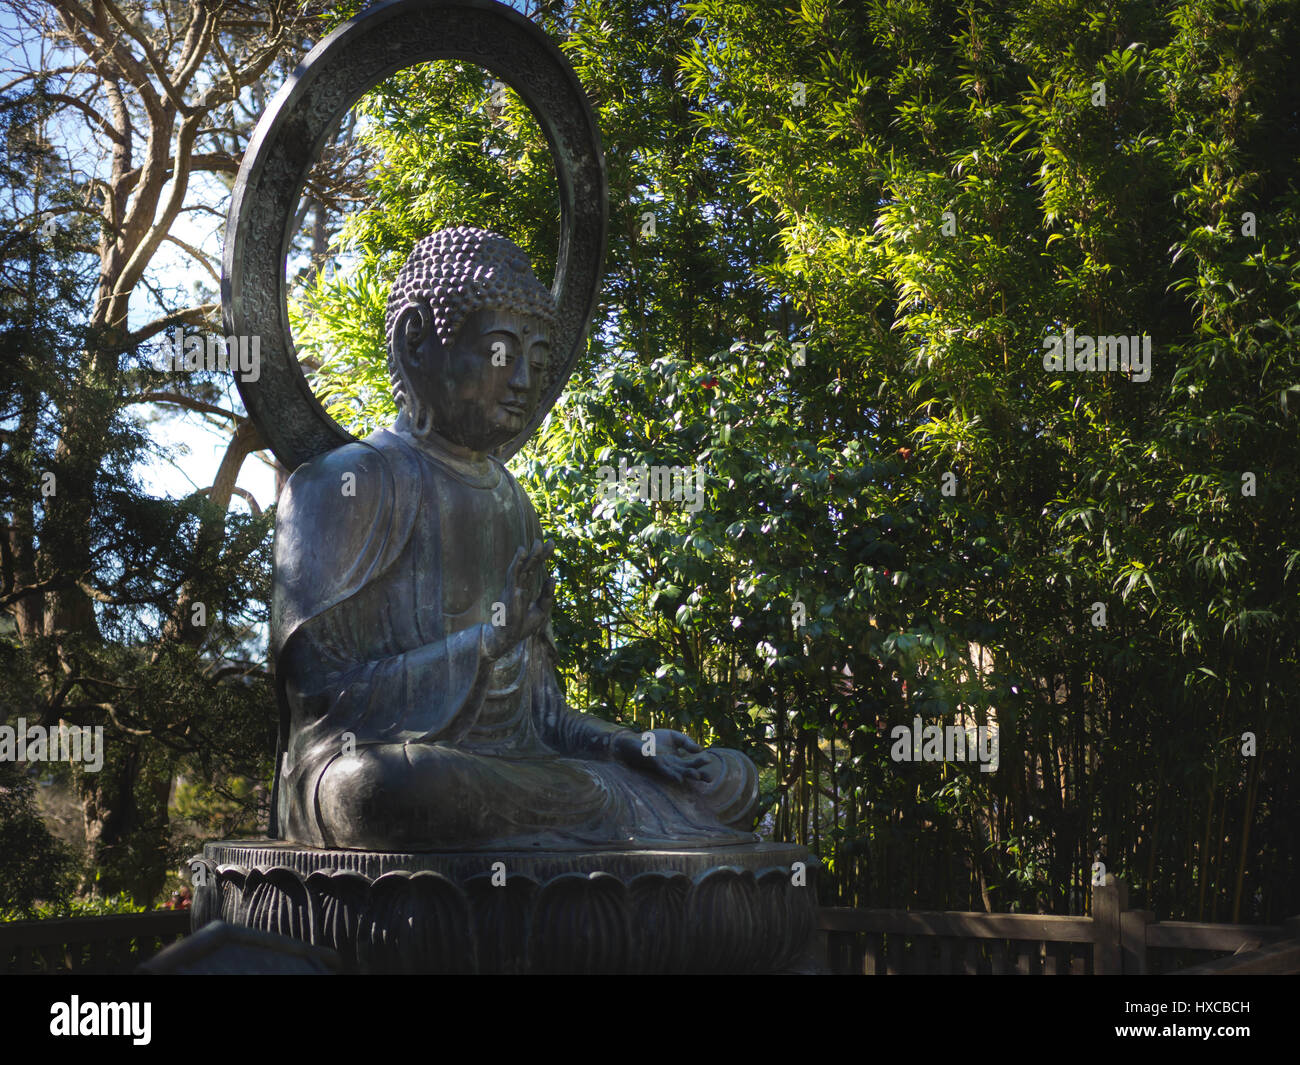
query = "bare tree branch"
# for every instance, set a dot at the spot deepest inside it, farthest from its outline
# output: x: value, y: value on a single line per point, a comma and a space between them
x: 188, y: 402
x: 147, y: 48
x: 96, y: 118
x: 197, y: 256
x: 190, y: 316
x: 94, y: 36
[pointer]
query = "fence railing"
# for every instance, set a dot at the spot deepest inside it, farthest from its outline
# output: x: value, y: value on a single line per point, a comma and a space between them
x: 1114, y: 939
x: 111, y: 943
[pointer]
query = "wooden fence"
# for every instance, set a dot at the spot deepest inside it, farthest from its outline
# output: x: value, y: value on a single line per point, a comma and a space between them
x: 1114, y: 939
x: 112, y: 943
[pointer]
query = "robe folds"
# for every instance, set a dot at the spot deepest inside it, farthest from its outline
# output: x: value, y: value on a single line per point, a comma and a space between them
x: 402, y: 733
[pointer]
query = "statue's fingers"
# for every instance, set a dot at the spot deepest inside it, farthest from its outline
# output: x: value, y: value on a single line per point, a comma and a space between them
x: 516, y: 564
x: 537, y: 577
x: 525, y: 563
x: 510, y: 593
x: 525, y: 584
x: 534, y: 558
x: 699, y: 762
x: 668, y: 765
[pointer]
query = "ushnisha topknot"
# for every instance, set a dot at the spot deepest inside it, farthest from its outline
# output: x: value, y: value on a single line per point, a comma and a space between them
x: 455, y: 272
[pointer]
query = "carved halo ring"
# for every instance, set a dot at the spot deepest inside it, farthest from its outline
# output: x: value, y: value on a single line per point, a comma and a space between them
x: 287, y: 141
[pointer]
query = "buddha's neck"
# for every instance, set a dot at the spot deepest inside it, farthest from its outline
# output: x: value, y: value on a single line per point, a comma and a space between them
x: 458, y: 456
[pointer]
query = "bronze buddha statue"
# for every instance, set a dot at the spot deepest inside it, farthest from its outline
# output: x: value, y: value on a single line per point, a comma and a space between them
x: 411, y: 613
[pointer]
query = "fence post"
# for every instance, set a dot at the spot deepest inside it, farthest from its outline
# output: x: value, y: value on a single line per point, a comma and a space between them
x: 1108, y: 903
x: 1133, y: 932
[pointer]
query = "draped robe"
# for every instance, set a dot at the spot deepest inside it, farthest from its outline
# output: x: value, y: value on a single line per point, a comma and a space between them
x: 402, y: 733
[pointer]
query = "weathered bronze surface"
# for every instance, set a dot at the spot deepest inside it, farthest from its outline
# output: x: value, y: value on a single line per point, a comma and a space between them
x: 438, y: 805
x: 739, y: 909
x: 411, y: 610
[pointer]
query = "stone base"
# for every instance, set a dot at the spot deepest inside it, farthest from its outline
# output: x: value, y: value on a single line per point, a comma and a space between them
x: 743, y: 909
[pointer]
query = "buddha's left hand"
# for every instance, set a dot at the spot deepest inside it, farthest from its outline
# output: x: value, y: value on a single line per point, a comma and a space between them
x: 671, y: 754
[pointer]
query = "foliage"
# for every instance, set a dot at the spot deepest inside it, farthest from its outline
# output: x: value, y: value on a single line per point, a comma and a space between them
x: 799, y: 161
x: 75, y: 906
x: 34, y: 866
x: 220, y: 809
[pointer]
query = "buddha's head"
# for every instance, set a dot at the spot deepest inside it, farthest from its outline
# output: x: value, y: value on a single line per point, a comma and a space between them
x: 469, y: 332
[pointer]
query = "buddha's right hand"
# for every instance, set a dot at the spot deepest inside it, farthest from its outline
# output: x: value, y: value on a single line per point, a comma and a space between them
x: 670, y: 754
x: 528, y: 597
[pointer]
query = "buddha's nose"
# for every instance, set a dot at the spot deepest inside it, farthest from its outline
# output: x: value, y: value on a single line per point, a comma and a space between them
x: 522, y: 379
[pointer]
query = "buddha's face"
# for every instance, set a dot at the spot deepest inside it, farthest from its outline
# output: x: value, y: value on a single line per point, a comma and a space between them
x: 483, y: 388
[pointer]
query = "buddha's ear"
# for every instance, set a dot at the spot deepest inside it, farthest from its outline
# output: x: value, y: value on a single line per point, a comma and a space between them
x: 413, y: 327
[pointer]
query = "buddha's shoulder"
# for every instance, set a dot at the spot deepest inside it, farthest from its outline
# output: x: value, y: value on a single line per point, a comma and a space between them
x: 377, y: 458
x: 364, y: 477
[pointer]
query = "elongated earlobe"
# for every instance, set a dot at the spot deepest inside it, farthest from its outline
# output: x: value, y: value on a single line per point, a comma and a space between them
x: 422, y: 424
x: 413, y: 340
x: 414, y: 326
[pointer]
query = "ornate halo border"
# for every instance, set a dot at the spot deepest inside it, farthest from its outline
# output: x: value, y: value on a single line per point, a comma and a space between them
x: 287, y: 141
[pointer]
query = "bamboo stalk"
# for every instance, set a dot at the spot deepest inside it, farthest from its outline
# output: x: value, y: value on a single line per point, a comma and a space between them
x: 1247, y: 817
